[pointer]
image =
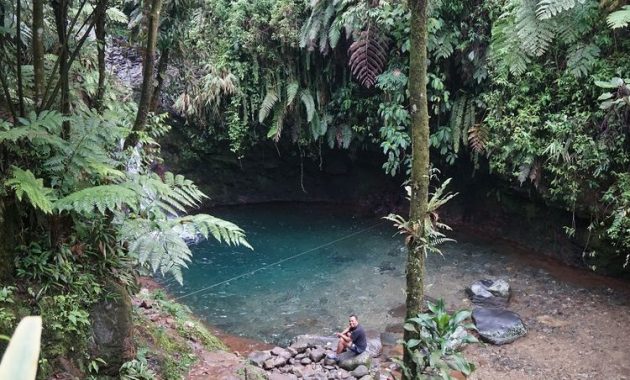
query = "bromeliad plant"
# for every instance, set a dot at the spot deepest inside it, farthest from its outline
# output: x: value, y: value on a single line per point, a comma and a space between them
x: 439, y: 336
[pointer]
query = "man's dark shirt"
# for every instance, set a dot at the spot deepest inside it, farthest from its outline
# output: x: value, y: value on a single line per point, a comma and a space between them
x: 358, y: 338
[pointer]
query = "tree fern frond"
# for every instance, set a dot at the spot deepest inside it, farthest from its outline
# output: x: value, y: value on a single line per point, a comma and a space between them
x: 619, y: 18
x: 535, y: 34
x: 546, y: 9
x: 222, y: 230
x: 116, y: 15
x: 25, y: 185
x: 267, y: 105
x: 581, y: 59
x: 334, y: 35
x: 506, y: 46
x: 477, y: 138
x: 368, y: 56
x: 102, y: 198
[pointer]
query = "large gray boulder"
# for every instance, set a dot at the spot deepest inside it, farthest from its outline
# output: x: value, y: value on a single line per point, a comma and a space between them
x: 257, y: 358
x: 498, y: 326
x: 349, y: 360
x: 489, y: 293
x: 112, y: 329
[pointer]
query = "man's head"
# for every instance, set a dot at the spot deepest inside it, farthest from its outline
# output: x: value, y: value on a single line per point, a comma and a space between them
x: 354, y: 321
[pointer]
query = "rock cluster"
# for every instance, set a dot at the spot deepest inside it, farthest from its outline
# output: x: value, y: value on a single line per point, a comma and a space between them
x: 495, y: 323
x: 307, y: 358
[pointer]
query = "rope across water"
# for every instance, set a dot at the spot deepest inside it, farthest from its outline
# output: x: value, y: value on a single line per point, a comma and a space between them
x: 280, y: 261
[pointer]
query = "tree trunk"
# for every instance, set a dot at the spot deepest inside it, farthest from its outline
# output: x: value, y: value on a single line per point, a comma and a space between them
x: 161, y: 72
x: 147, y: 73
x: 9, y: 232
x: 38, y: 50
x: 60, y: 8
x: 18, y: 55
x: 419, y: 163
x: 101, y: 9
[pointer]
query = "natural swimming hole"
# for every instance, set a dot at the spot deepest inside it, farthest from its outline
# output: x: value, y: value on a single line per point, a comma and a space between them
x: 331, y: 264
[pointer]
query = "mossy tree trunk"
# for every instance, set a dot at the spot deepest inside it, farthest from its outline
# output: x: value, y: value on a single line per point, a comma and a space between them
x: 148, y: 65
x: 38, y: 50
x: 419, y: 162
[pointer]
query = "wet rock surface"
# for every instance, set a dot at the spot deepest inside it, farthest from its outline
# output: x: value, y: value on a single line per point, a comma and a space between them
x: 489, y: 293
x: 498, y: 326
x: 310, y: 357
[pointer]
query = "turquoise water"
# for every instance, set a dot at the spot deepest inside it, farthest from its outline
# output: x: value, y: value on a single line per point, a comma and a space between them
x: 332, y: 264
x: 344, y: 264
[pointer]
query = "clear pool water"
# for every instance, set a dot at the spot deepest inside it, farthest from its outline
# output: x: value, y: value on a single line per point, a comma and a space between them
x: 346, y: 264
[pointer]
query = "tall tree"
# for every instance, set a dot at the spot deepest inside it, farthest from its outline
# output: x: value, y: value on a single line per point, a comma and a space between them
x: 147, y: 71
x: 38, y: 49
x: 419, y: 164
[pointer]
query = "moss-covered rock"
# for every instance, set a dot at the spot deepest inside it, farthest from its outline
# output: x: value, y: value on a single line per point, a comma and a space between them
x: 112, y: 329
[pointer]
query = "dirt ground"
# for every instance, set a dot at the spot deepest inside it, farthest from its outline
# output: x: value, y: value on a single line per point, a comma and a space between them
x: 578, y: 328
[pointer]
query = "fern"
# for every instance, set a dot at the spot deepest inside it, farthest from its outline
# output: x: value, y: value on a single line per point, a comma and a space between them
x: 39, y: 129
x: 160, y: 245
x: 25, y: 185
x: 462, y: 119
x: 506, y: 50
x: 368, y: 56
x: 117, y: 16
x: 581, y: 59
x: 548, y: 8
x: 619, y: 18
x: 430, y: 236
x: 477, y: 138
x: 535, y: 34
x: 307, y: 99
x: 267, y: 105
x: 101, y: 198
x: 292, y: 90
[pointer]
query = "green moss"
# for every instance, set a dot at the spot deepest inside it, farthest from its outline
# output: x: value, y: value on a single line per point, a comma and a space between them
x: 172, y: 347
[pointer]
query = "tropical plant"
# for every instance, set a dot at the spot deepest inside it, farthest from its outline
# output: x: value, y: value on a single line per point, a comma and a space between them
x: 432, y: 237
x: 21, y: 356
x: 439, y: 335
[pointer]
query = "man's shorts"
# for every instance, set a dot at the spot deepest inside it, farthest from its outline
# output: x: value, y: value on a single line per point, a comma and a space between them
x: 356, y: 349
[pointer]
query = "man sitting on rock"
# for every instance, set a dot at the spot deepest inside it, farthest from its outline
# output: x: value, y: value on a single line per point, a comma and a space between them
x: 352, y: 338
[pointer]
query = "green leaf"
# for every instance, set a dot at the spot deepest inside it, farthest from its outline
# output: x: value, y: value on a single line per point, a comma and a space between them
x: 101, y: 198
x: 116, y: 15
x: 26, y: 185
x: 620, y: 18
x: 292, y: 90
x: 21, y: 356
x: 267, y: 105
x: 309, y: 103
x: 613, y: 83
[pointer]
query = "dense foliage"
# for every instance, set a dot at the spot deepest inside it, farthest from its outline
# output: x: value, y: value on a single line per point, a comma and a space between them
x: 534, y: 90
x: 81, y: 211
